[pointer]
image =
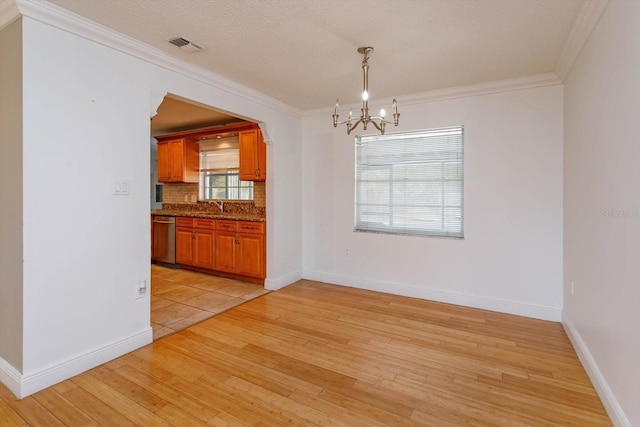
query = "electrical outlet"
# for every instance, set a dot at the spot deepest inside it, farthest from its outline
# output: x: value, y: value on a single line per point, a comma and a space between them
x: 141, y: 289
x: 347, y: 252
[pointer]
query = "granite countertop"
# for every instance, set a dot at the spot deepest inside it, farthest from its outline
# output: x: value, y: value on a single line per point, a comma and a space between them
x: 195, y: 214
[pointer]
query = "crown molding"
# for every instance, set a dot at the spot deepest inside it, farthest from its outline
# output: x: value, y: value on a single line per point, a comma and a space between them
x: 8, y: 12
x: 588, y: 17
x: 73, y: 23
x: 519, y: 83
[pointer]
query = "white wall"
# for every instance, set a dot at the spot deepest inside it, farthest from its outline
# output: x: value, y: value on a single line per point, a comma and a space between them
x: 602, y: 209
x: 11, y: 199
x: 86, y: 125
x: 511, y: 257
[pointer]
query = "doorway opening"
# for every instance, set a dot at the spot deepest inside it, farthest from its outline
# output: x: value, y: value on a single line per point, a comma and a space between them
x: 181, y: 295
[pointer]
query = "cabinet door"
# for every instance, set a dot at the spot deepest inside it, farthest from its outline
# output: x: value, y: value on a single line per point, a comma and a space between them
x: 163, y: 162
x: 203, y: 249
x: 184, y: 246
x: 251, y: 260
x: 226, y: 249
x: 176, y: 162
x: 248, y: 146
x: 262, y: 158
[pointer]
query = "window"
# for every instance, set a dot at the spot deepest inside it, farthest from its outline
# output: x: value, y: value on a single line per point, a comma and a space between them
x: 411, y: 183
x: 219, y: 171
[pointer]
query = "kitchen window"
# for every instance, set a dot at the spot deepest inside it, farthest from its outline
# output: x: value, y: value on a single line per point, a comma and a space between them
x: 219, y: 171
x: 411, y: 183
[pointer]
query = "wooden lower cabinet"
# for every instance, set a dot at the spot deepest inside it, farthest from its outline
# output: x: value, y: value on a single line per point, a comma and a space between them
x: 195, y: 242
x: 184, y: 245
x: 250, y: 255
x: 240, y: 248
x: 229, y: 246
x: 203, y: 249
x: 226, y: 251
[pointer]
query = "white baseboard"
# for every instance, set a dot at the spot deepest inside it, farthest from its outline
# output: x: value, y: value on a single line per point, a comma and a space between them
x: 614, y: 410
x: 282, y: 281
x: 23, y: 385
x: 10, y: 377
x: 502, y: 306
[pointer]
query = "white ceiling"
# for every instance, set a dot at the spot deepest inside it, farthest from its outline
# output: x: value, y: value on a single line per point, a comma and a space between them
x: 303, y: 52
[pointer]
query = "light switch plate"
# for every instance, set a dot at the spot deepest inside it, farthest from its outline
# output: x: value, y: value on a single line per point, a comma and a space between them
x: 121, y: 188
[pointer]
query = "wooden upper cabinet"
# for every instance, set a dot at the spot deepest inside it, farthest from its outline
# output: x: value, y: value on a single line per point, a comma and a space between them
x: 253, y: 155
x: 178, y: 160
x: 262, y: 157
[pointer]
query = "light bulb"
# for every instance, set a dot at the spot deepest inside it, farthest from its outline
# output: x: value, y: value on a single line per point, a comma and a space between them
x: 365, y: 95
x: 382, y: 112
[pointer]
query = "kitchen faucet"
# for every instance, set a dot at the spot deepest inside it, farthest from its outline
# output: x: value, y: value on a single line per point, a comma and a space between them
x: 219, y: 204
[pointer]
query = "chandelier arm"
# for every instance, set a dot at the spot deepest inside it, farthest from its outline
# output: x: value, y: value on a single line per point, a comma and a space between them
x: 380, y: 126
x: 343, y: 122
x: 351, y: 127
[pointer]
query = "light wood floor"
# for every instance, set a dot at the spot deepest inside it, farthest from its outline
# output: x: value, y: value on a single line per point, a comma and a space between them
x: 316, y: 354
x: 182, y: 298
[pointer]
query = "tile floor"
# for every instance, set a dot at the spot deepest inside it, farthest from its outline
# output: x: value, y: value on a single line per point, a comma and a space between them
x: 182, y: 298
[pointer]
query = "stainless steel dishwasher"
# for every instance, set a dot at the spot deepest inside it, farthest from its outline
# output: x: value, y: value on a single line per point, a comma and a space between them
x: 164, y: 239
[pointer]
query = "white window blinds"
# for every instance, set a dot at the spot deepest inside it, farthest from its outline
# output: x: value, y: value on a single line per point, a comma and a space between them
x: 411, y: 183
x: 219, y: 171
x: 219, y: 155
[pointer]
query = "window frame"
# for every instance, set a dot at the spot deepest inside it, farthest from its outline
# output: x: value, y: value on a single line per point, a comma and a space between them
x: 220, y: 157
x: 407, y: 217
x: 230, y: 187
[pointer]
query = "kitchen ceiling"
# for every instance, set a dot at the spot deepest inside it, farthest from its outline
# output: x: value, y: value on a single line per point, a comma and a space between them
x: 303, y: 52
x: 176, y: 115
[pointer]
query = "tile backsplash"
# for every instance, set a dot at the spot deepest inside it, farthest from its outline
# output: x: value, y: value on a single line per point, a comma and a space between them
x: 175, y: 193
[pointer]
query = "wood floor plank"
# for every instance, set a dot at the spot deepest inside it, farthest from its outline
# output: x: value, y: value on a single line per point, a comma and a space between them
x: 64, y: 410
x: 314, y: 354
x: 167, y: 393
x: 284, y: 404
x: 176, y: 417
x: 99, y: 411
x: 125, y: 406
x: 9, y: 417
x: 34, y: 413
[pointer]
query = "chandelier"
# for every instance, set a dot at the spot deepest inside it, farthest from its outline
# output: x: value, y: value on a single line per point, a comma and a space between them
x: 378, y: 121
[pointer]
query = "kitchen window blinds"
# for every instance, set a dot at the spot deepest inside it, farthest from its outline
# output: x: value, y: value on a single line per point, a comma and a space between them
x: 411, y: 183
x: 219, y: 171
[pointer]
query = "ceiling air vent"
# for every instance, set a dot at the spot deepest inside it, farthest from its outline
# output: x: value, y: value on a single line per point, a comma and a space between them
x: 184, y: 44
